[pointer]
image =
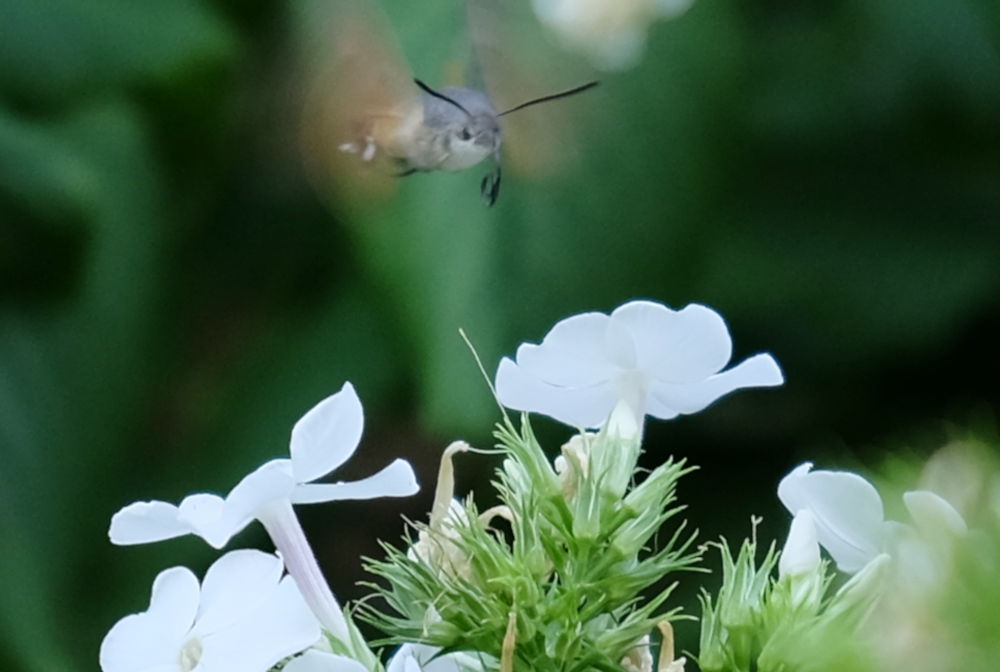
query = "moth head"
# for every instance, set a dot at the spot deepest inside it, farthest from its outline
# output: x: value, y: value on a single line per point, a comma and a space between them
x: 474, y: 123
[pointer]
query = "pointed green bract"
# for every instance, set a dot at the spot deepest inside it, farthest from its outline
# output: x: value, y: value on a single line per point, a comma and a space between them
x: 572, y: 569
x: 794, y: 623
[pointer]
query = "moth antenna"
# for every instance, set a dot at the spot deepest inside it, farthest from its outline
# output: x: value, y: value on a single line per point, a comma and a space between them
x: 554, y: 96
x: 431, y: 92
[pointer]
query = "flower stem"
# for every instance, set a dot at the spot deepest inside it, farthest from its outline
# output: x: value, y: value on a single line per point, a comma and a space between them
x: 282, y: 524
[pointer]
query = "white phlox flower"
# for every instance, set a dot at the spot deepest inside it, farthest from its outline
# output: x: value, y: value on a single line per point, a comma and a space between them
x: 799, y: 563
x: 643, y: 356
x: 923, y: 551
x: 914, y: 635
x: 322, y: 440
x: 243, y: 617
x: 424, y: 658
x: 323, y: 661
x: 845, y: 509
x: 613, y: 32
x: 800, y: 554
x: 847, y: 513
x: 933, y: 515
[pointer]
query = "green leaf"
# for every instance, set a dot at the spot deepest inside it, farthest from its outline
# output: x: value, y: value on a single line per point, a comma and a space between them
x: 55, y: 50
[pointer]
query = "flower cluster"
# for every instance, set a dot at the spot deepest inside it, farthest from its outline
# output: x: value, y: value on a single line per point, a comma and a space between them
x: 561, y: 590
x: 248, y: 617
x: 846, y: 515
x: 572, y: 566
x: 888, y: 571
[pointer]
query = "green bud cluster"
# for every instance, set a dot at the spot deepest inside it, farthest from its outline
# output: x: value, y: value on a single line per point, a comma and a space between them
x: 561, y: 591
x: 761, y: 623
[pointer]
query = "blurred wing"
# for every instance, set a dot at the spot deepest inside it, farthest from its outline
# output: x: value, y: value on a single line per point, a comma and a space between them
x: 360, y: 104
x: 518, y: 61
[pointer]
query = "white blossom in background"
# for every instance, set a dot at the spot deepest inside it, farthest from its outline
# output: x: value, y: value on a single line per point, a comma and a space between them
x: 800, y: 554
x: 244, y: 616
x: 924, y: 550
x: 799, y: 565
x: 612, y: 32
x: 408, y: 658
x: 847, y: 513
x: 915, y: 635
x: 845, y: 509
x: 322, y: 440
x: 933, y: 515
x: 423, y: 658
x: 323, y: 661
x: 644, y: 356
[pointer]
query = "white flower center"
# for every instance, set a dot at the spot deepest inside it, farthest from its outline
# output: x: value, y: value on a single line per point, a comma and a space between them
x: 632, y: 387
x: 190, y: 654
x: 619, y: 347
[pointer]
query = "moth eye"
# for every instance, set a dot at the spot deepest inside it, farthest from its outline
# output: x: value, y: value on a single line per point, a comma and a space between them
x: 464, y: 134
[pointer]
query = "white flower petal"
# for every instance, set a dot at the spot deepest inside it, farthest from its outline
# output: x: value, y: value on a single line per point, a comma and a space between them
x: 572, y: 354
x: 920, y: 557
x: 870, y: 579
x: 660, y: 361
x: 658, y: 409
x: 236, y: 584
x: 282, y: 626
x: 624, y: 424
x: 153, y: 638
x: 800, y: 554
x: 619, y: 347
x: 403, y: 655
x: 932, y: 514
x: 145, y: 522
x: 577, y: 407
x: 395, y: 480
x: 204, y: 515
x: 684, y: 346
x: 611, y: 31
x: 421, y: 658
x: 326, y: 436
x: 757, y: 371
x: 269, y: 482
x: 621, y: 49
x: 322, y: 661
x: 847, y: 511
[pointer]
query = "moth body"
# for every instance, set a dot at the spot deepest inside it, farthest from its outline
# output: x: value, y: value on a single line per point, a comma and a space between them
x: 363, y: 101
x: 441, y: 137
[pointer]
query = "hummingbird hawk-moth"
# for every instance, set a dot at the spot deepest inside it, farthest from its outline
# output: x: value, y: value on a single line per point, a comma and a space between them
x: 365, y: 110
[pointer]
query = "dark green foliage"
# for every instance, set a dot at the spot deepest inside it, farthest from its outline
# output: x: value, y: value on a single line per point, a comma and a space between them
x: 173, y: 295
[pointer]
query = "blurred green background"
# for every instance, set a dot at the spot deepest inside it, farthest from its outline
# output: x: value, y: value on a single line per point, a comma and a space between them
x: 174, y: 294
